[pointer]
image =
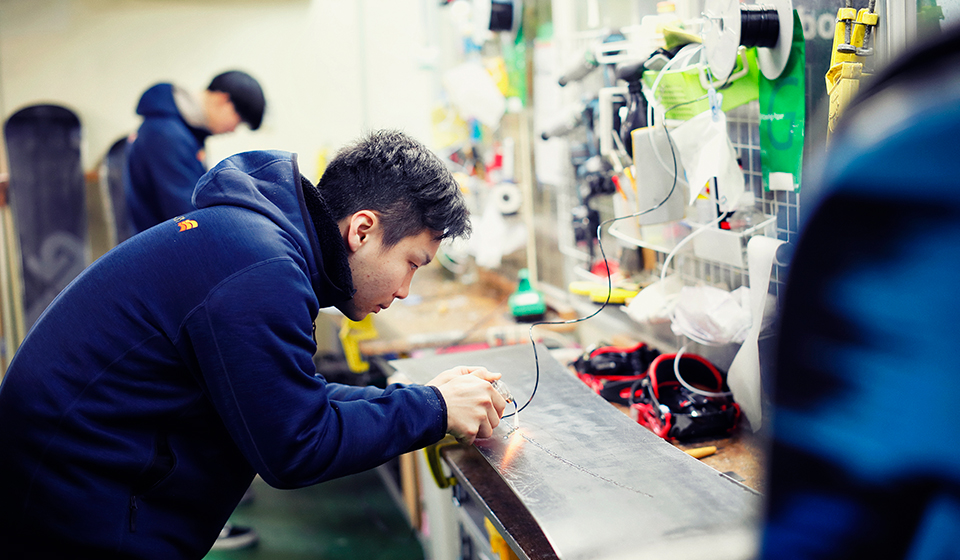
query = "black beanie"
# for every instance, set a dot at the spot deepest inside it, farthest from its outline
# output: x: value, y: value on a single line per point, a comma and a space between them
x: 245, y: 94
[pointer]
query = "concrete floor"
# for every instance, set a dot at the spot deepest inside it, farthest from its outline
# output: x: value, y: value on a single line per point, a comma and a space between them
x: 352, y: 518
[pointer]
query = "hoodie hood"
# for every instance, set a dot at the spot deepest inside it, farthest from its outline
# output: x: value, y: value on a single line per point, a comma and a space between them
x: 161, y: 100
x: 269, y: 183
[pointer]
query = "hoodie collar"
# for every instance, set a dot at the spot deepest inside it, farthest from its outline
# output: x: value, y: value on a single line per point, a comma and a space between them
x: 190, y: 108
x: 328, y: 238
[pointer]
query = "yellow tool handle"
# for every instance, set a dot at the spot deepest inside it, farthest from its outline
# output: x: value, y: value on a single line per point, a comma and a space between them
x: 701, y: 452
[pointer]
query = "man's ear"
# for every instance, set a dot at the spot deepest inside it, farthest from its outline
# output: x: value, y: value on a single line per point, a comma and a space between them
x: 359, y: 228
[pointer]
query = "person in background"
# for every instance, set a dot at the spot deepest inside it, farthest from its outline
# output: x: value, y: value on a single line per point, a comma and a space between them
x: 166, y: 158
x: 863, y: 461
x: 179, y: 365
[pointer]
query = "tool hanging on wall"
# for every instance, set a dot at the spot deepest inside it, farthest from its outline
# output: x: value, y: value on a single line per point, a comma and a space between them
x: 636, y: 116
x: 632, y: 74
x: 593, y: 172
x: 730, y: 25
x: 852, y: 44
x: 595, y: 57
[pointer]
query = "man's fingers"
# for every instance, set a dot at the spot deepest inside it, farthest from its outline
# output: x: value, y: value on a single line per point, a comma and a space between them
x: 485, y: 374
x: 474, y: 406
x: 500, y: 404
x: 486, y: 427
x: 493, y: 419
x: 453, y: 373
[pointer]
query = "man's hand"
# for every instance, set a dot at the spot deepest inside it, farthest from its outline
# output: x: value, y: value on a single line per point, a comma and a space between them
x: 474, y: 407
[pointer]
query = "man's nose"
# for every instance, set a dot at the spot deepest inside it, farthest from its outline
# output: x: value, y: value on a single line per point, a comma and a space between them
x: 404, y: 289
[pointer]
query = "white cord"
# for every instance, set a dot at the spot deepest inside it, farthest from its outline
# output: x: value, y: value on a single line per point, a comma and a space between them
x: 676, y: 372
x: 694, y: 233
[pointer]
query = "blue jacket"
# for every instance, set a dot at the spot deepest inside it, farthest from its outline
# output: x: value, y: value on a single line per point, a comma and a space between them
x: 173, y: 369
x: 863, y: 456
x: 164, y: 163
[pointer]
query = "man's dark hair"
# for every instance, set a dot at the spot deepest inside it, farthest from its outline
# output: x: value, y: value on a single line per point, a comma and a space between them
x: 400, y: 179
x: 245, y: 94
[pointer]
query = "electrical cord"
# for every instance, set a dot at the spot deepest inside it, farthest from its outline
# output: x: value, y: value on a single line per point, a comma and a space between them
x: 683, y: 54
x: 693, y: 48
x: 685, y: 240
x: 603, y: 255
x: 687, y: 52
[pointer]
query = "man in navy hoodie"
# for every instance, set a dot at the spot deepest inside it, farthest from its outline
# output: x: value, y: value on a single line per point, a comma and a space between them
x: 166, y: 158
x: 179, y: 365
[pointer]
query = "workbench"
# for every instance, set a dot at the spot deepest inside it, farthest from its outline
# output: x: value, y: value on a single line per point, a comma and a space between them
x: 441, y: 313
x: 444, y: 313
x: 579, y: 479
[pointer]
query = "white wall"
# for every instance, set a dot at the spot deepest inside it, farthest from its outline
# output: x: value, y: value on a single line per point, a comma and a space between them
x: 330, y: 69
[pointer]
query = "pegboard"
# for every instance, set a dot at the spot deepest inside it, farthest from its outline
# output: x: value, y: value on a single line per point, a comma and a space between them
x: 743, y: 127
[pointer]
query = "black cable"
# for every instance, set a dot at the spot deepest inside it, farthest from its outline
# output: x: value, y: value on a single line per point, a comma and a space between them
x: 759, y: 26
x: 536, y: 359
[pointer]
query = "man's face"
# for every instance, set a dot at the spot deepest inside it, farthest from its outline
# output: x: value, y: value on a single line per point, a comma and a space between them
x: 382, y: 274
x: 222, y: 116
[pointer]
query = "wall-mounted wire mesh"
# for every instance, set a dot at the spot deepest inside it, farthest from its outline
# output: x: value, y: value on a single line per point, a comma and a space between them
x: 557, y: 243
x: 743, y: 128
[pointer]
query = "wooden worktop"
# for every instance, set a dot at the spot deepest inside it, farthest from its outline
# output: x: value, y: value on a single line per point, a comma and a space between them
x: 442, y: 312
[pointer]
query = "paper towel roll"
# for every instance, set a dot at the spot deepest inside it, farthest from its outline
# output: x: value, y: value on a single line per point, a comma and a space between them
x: 743, y: 377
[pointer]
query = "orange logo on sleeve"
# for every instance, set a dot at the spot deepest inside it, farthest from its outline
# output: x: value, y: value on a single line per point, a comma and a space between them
x: 187, y: 224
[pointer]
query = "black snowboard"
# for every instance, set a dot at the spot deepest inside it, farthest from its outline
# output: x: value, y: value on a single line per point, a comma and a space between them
x: 48, y: 198
x: 111, y: 177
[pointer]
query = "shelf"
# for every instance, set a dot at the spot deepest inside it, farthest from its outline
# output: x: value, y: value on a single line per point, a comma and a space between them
x: 713, y: 244
x: 662, y: 238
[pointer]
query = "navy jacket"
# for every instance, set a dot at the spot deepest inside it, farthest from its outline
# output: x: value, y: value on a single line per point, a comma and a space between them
x: 164, y: 163
x: 173, y: 369
x: 863, y: 461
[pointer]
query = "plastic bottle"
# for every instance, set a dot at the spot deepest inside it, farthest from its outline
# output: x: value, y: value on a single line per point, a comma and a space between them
x: 653, y: 24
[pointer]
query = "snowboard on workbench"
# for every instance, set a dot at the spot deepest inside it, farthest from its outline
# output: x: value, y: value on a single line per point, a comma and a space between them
x: 48, y: 196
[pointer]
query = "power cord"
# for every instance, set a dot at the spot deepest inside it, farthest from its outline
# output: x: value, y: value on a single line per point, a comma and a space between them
x: 536, y: 359
x: 693, y: 49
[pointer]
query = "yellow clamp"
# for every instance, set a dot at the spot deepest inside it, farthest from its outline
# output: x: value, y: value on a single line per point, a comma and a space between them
x: 846, y: 63
x: 435, y: 464
x: 498, y: 545
x: 351, y: 333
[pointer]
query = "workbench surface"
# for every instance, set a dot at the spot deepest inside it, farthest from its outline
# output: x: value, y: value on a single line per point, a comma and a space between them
x: 596, y: 483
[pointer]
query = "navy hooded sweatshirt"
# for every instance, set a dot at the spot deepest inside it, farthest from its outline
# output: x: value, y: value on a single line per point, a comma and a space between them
x: 165, y: 161
x: 173, y: 369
